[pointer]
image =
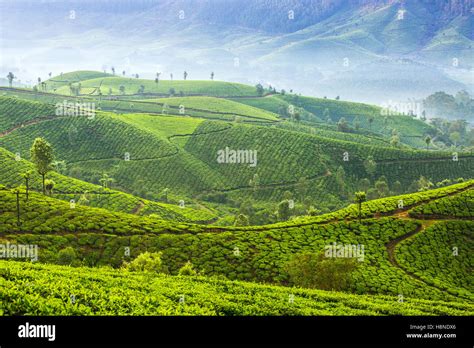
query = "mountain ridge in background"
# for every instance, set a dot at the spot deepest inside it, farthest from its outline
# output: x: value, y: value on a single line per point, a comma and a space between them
x: 370, y: 51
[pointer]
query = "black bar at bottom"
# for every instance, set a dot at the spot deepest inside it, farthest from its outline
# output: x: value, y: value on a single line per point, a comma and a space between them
x: 225, y: 331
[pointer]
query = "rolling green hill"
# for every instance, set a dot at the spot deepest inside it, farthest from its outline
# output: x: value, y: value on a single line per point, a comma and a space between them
x: 101, y: 292
x: 64, y: 80
x: 370, y: 118
x: 132, y: 85
x: 67, y: 188
x: 215, y: 105
x: 99, y: 238
x: 316, y: 166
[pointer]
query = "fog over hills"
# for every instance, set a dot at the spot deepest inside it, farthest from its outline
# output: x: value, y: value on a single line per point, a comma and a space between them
x: 373, y: 51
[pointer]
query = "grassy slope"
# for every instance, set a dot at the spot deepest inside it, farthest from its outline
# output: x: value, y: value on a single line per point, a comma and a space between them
x: 112, y: 292
x: 190, y: 87
x: 431, y: 256
x: 410, y: 130
x: 162, y: 125
x: 97, y: 236
x: 98, y: 145
x: 217, y: 105
x: 118, y: 201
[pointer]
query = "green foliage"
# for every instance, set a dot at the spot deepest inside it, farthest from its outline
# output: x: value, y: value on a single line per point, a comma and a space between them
x: 41, y: 153
x: 442, y: 256
x: 241, y: 220
x: 49, y: 185
x: 193, y: 87
x: 460, y: 205
x: 284, y: 211
x: 187, y: 270
x: 146, y: 262
x: 136, y: 294
x: 320, y: 272
x: 12, y: 175
x: 67, y: 256
x: 210, y: 107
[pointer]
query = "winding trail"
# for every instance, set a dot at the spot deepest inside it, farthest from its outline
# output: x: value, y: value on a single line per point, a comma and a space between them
x: 391, y: 250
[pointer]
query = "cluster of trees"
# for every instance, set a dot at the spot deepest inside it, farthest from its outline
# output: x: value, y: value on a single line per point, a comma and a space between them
x: 441, y: 104
x: 457, y: 132
x: 152, y: 263
x: 317, y: 271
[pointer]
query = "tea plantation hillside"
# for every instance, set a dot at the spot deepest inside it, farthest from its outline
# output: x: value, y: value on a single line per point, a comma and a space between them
x: 311, y: 167
x: 213, y: 105
x: 131, y: 86
x: 442, y: 256
x: 100, y: 291
x: 257, y: 253
x: 374, y: 119
x: 84, y: 193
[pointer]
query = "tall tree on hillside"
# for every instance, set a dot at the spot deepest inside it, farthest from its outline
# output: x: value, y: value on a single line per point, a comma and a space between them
x: 171, y: 76
x: 395, y: 140
x: 342, y: 125
x: 360, y: 197
x: 122, y: 89
x: 106, y: 180
x: 27, y: 175
x: 427, y: 141
x: 371, y: 120
x: 123, y: 73
x: 255, y: 182
x: 212, y: 75
x: 113, y: 71
x: 10, y: 78
x: 185, y: 75
x: 259, y: 88
x: 42, y: 155
x: 284, y: 210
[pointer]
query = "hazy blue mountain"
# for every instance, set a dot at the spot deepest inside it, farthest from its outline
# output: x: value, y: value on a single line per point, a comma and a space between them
x: 367, y: 50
